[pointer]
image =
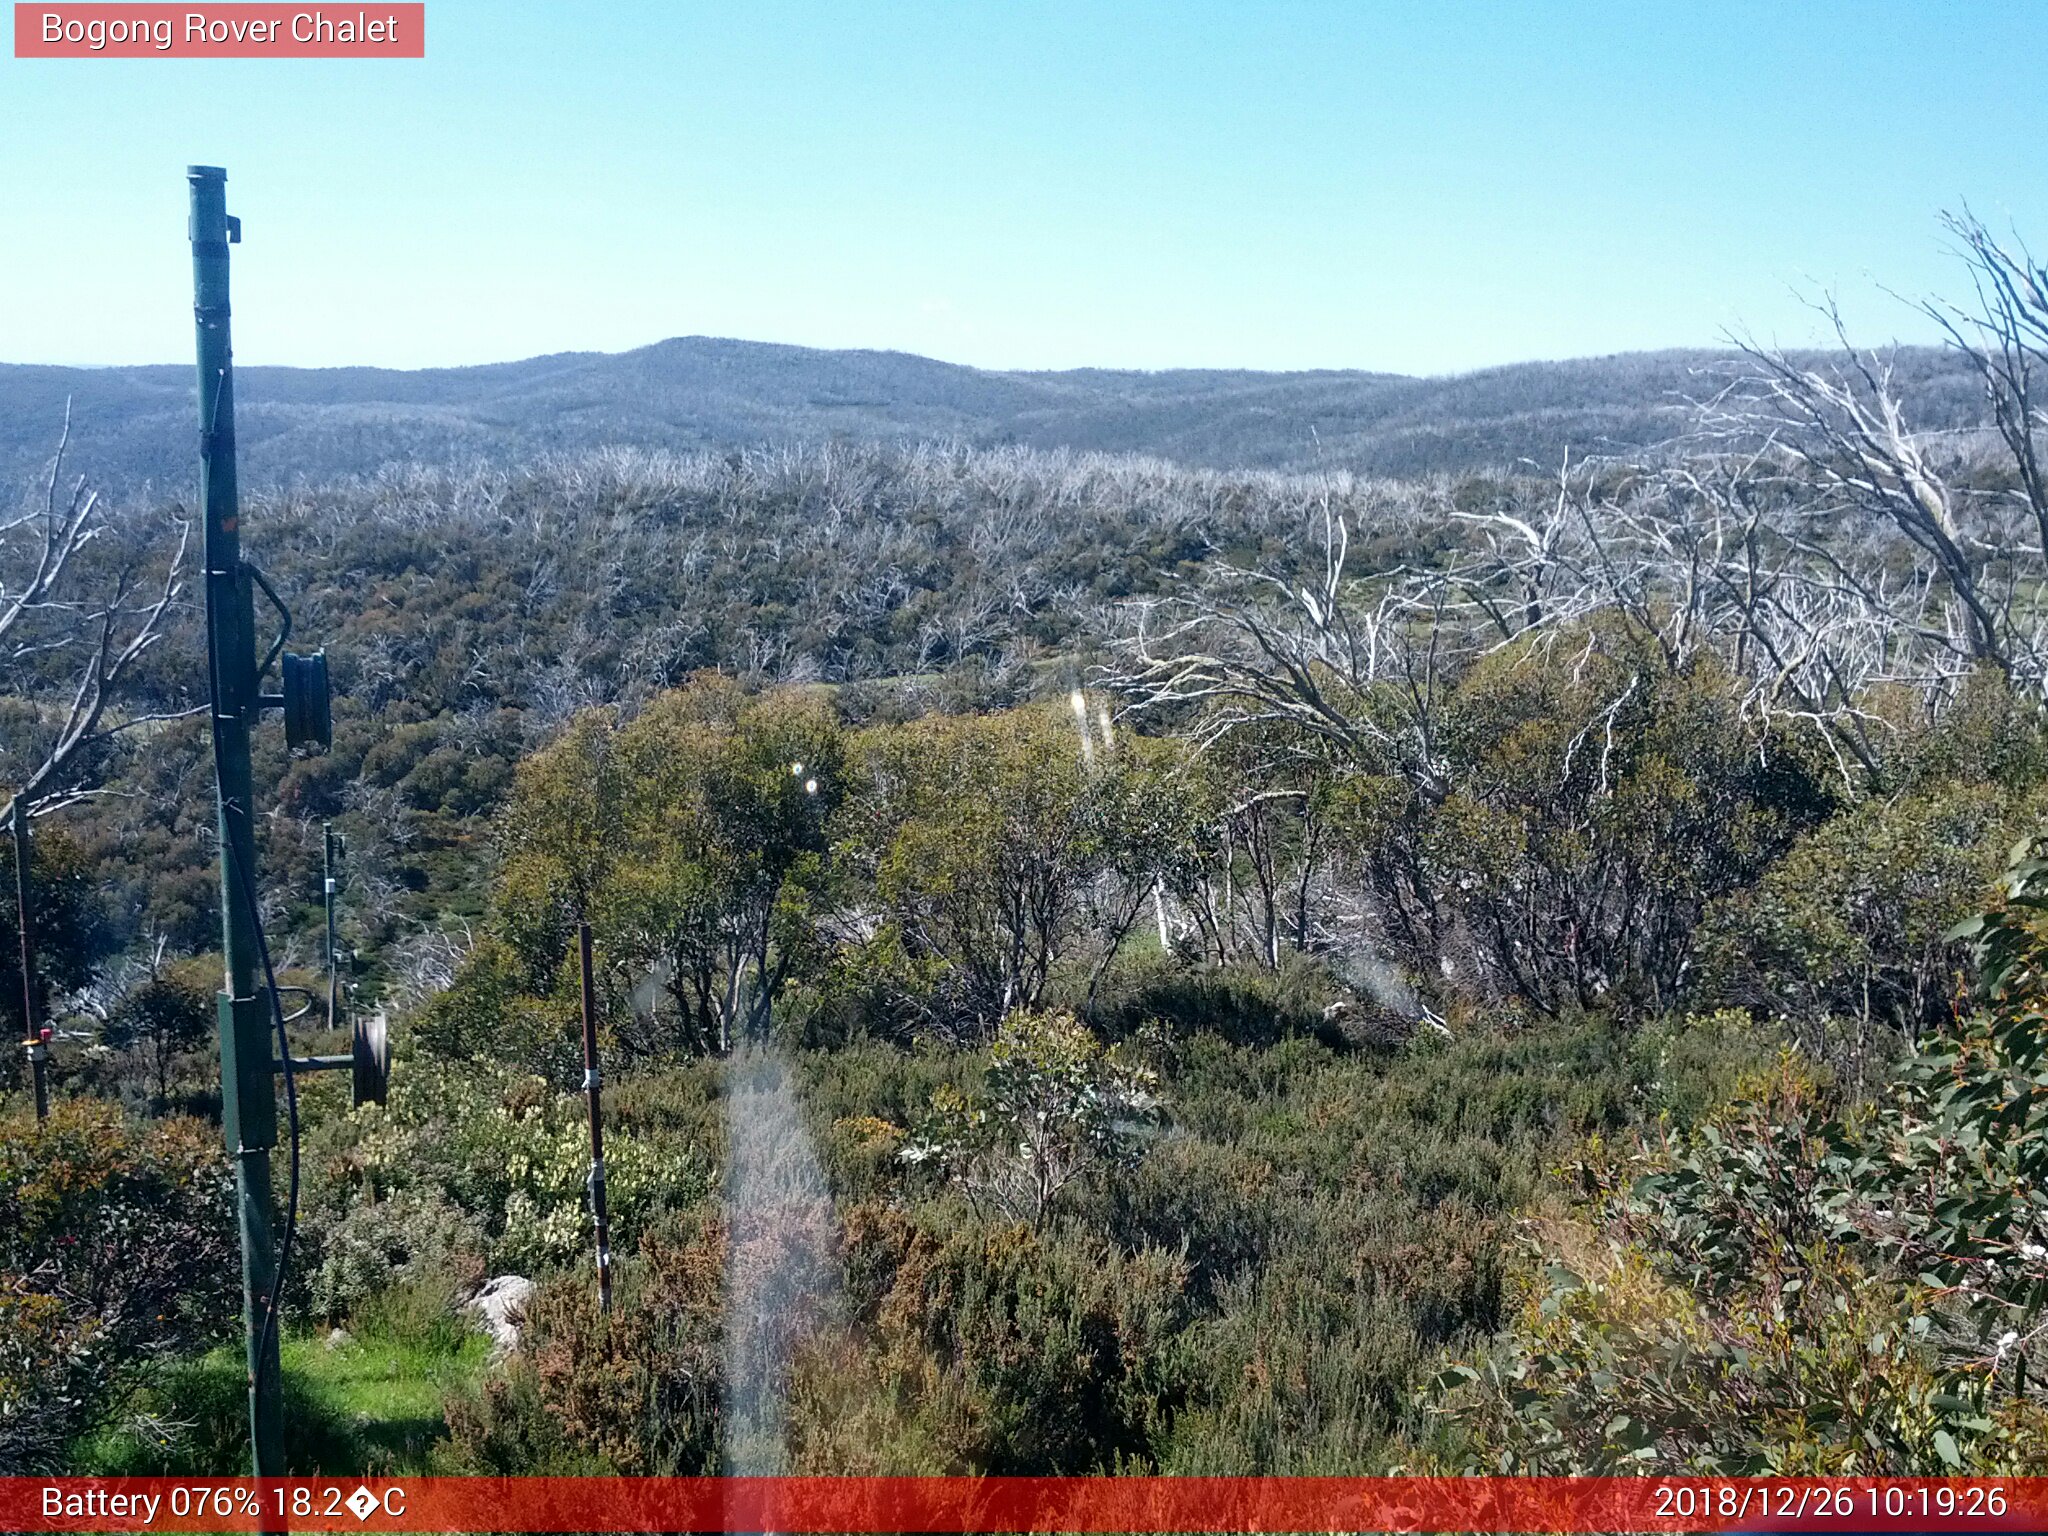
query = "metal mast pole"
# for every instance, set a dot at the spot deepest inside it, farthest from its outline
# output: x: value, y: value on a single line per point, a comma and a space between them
x: 248, y: 1100
x: 24, y: 905
x: 593, y: 1088
x: 329, y: 886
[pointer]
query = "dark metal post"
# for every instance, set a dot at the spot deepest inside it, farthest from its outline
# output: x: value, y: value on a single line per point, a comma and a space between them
x: 592, y: 1088
x: 248, y: 1102
x: 330, y: 885
x: 33, y: 1040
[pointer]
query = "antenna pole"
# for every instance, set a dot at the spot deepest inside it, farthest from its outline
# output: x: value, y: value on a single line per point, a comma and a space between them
x: 248, y: 1100
x: 329, y: 886
x: 33, y: 1040
x: 592, y: 1088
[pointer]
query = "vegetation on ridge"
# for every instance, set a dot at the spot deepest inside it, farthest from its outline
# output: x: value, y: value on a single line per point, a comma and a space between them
x: 1244, y: 972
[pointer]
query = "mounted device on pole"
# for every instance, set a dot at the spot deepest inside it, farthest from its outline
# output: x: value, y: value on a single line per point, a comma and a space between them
x: 248, y: 1003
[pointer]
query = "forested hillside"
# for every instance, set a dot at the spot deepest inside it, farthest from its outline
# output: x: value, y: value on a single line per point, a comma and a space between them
x: 1105, y: 964
x: 299, y: 424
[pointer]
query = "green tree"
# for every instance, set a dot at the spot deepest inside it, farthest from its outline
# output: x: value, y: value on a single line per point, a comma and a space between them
x: 996, y: 843
x: 1601, y: 798
x: 166, y: 1013
x: 1273, y: 807
x: 70, y: 924
x: 728, y: 805
x: 562, y: 836
x: 693, y: 838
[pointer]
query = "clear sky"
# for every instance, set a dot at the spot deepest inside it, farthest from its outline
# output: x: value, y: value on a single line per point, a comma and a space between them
x: 1423, y: 188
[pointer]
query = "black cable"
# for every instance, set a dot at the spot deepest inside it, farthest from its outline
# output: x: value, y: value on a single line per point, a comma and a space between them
x: 291, y: 1101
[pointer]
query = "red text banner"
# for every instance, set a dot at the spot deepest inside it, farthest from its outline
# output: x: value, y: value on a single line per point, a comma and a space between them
x: 1089, y: 1504
x: 240, y: 31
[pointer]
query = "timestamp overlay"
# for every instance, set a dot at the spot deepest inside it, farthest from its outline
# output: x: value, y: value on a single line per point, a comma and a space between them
x: 960, y: 1504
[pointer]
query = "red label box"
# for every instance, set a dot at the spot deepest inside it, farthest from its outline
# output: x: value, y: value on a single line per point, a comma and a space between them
x: 243, y: 31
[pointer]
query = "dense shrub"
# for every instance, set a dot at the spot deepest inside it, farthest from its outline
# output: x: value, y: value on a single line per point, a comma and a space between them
x: 1714, y: 1311
x: 414, y: 1235
x: 1248, y: 1005
x: 1053, y: 1113
x: 484, y: 1155
x: 1042, y: 1352
x: 117, y: 1249
x: 638, y: 1393
x: 1851, y: 924
x: 1787, y: 1289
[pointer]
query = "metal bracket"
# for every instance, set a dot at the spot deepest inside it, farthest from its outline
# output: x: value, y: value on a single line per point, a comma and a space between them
x: 284, y: 616
x: 303, y: 695
x: 368, y: 1060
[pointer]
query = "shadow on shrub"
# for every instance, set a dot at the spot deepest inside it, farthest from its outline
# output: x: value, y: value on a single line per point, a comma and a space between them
x: 1243, y: 1004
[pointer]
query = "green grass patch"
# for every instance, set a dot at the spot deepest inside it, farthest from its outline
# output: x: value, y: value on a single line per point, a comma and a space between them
x: 369, y: 1405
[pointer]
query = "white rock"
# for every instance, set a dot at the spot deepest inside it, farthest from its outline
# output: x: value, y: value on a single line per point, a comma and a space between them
x: 502, y: 1306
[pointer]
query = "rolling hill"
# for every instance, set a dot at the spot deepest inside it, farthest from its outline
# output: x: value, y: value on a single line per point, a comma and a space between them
x: 135, y: 424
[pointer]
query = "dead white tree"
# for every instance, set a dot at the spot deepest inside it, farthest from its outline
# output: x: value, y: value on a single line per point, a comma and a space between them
x: 71, y: 637
x: 2005, y: 340
x: 1809, y: 539
x: 1845, y: 424
x: 1352, y: 660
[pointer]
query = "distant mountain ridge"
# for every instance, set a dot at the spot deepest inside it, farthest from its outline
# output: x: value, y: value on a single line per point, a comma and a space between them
x: 133, y: 425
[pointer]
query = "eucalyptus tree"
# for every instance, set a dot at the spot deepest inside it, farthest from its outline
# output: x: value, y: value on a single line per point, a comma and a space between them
x: 692, y: 837
x: 1003, y: 849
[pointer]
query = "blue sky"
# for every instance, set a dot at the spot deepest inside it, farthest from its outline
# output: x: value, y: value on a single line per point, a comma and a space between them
x: 1422, y: 188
